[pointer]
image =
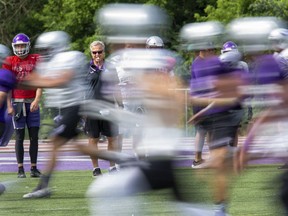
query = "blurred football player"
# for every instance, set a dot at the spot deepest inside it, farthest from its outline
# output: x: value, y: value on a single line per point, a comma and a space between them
x: 7, y: 83
x: 62, y: 74
x: 219, y: 111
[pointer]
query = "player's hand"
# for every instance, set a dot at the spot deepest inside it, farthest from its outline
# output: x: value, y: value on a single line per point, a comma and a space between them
x: 34, y: 106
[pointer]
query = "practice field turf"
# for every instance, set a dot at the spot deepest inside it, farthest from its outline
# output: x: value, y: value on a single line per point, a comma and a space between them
x: 255, y: 192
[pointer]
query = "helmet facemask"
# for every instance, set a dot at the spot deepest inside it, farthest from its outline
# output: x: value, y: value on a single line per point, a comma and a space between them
x: 21, y: 49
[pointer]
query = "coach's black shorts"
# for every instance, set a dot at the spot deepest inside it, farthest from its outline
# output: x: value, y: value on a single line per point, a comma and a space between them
x: 95, y: 127
x: 67, y: 126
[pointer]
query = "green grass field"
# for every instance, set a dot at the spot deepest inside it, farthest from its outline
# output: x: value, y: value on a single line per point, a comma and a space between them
x: 253, y: 193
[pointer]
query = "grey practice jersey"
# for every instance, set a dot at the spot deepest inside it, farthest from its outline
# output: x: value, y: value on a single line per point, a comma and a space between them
x: 71, y: 93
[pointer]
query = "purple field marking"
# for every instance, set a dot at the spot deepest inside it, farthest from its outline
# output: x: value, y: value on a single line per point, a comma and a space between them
x: 71, y: 160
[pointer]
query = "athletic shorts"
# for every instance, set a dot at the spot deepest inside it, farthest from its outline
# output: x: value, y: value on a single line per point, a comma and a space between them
x: 23, y: 116
x: 222, y: 127
x: 160, y: 175
x: 67, y: 125
x: 95, y: 127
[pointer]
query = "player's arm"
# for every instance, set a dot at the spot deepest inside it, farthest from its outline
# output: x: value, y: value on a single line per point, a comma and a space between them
x: 36, y: 80
x: 10, y: 109
x: 35, y: 104
x: 214, y: 101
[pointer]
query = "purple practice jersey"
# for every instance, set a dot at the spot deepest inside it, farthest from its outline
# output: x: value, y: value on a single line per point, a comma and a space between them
x: 7, y: 83
x: 264, y: 80
x: 7, y: 80
x: 267, y: 70
x: 203, y: 73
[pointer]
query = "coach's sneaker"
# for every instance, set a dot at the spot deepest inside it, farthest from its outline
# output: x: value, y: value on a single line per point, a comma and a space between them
x: 21, y: 173
x: 96, y: 172
x: 35, y: 173
x: 41, y: 193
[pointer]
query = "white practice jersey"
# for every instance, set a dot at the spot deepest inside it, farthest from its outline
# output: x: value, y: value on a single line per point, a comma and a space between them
x: 282, y: 58
x: 71, y: 93
x: 131, y: 94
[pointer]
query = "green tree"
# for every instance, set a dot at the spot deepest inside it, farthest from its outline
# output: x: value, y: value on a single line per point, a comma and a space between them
x: 18, y: 16
x: 224, y: 11
x: 72, y: 16
x: 277, y: 8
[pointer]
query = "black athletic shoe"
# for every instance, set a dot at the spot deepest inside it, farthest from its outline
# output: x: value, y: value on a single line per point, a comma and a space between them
x: 21, y: 173
x: 96, y: 172
x: 35, y: 173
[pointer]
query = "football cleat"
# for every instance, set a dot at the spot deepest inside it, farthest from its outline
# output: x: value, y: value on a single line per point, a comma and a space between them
x: 21, y: 173
x: 42, y: 193
x: 35, y: 173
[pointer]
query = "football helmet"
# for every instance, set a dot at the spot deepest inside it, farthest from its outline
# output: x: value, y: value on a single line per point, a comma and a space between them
x: 230, y: 59
x: 279, y: 39
x: 202, y: 35
x: 21, y: 39
x: 251, y: 33
x: 4, y: 52
x: 229, y: 46
x: 154, y: 42
x: 49, y: 44
x: 132, y: 23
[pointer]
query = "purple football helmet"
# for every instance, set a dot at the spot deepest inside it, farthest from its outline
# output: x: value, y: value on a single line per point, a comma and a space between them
x: 229, y: 46
x: 24, y: 41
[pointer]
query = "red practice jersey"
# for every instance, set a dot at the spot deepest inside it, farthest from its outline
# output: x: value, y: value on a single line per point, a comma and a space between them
x: 21, y: 68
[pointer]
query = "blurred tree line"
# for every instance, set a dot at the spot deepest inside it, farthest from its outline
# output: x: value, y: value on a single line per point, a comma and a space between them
x: 77, y: 18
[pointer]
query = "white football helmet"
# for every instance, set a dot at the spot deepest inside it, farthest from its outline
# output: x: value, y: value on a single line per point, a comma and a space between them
x: 4, y: 52
x: 154, y: 42
x: 50, y: 43
x: 279, y: 39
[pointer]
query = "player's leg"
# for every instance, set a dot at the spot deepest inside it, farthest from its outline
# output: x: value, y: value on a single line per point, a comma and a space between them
x: 222, y: 161
x: 33, y: 124
x: 19, y: 122
x: 112, y: 194
x: 111, y: 131
x: 93, y: 131
x: 66, y: 130
x: 2, y: 118
x: 19, y: 150
x: 199, y: 144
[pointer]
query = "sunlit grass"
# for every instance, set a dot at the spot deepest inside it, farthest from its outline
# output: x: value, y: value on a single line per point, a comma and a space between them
x: 253, y: 193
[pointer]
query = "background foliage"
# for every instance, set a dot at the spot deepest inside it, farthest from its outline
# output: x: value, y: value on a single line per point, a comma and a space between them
x: 77, y: 18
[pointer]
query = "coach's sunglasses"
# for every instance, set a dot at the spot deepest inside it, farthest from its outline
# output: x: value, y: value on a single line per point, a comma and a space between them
x: 99, y: 52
